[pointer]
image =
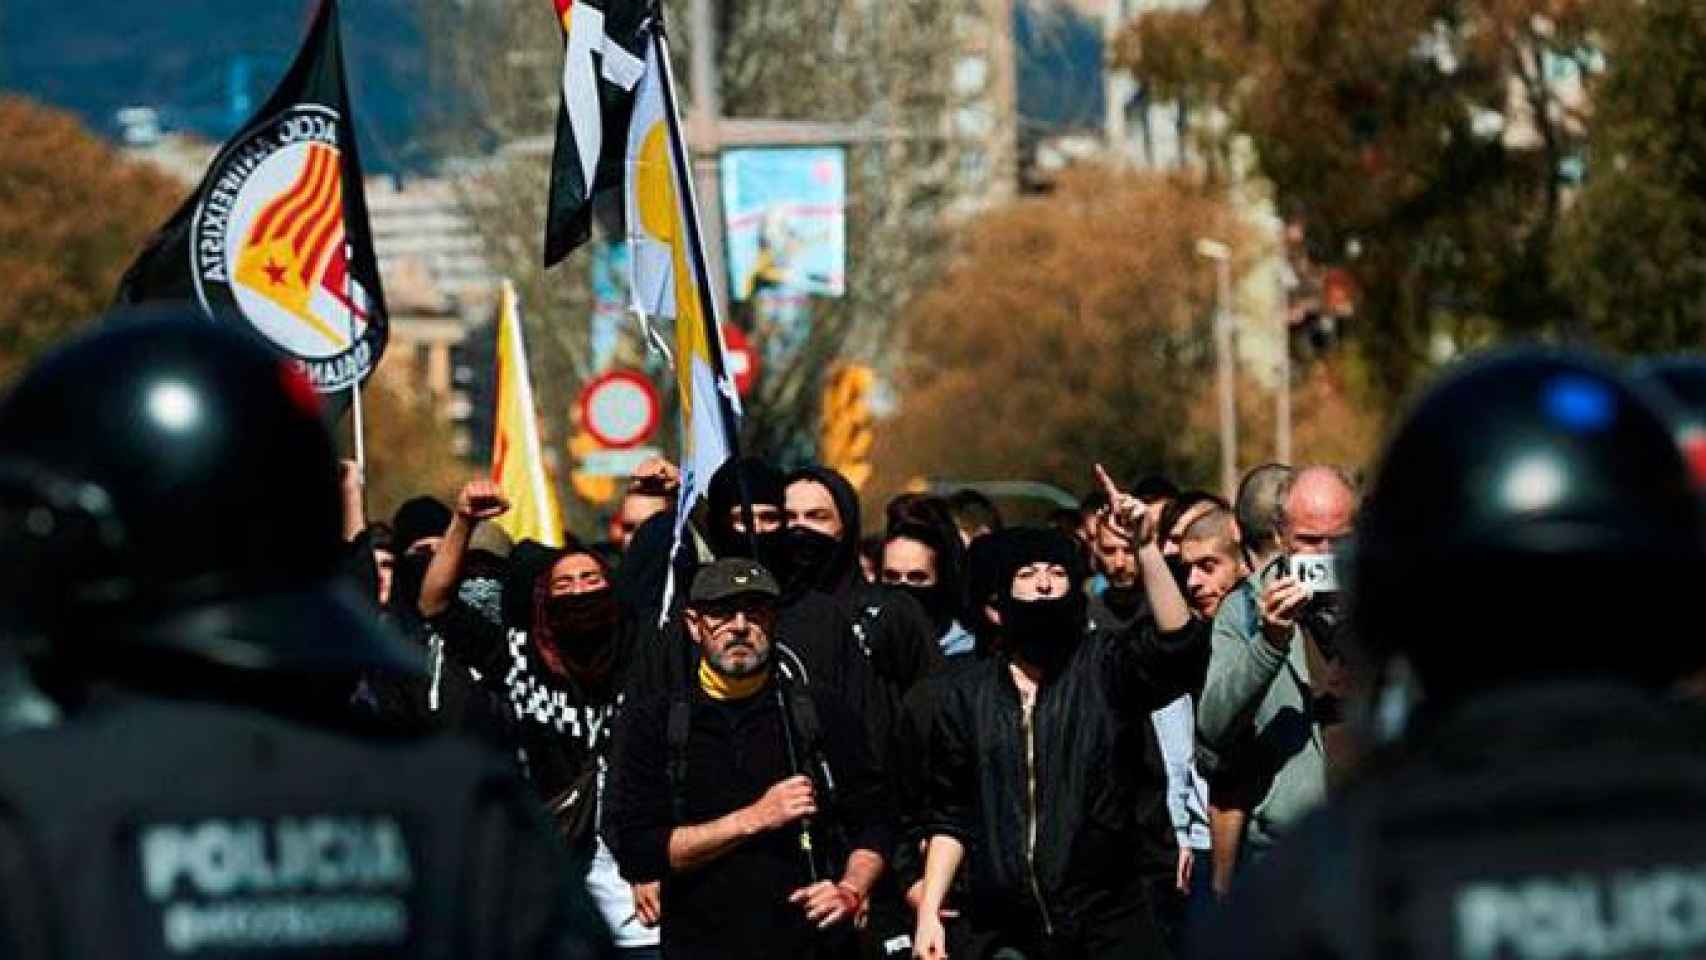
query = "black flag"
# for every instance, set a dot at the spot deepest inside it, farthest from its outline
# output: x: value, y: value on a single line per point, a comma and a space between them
x: 604, y: 59
x: 276, y: 237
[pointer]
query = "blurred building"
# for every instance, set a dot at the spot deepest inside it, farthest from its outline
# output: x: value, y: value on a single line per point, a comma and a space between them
x: 983, y: 116
x: 1140, y: 129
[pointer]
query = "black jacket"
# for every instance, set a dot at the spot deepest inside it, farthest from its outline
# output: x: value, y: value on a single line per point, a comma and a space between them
x: 1091, y: 734
x: 1559, y: 820
x: 1158, y: 840
x: 890, y: 629
x: 737, y: 906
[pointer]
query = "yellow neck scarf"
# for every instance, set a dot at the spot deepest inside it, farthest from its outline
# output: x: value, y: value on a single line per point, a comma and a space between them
x: 719, y: 687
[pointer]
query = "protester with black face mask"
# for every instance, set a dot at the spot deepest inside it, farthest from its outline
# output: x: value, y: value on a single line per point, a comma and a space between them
x: 889, y: 627
x: 557, y: 658
x: 1039, y: 760
x: 725, y: 516
x: 822, y: 537
x: 920, y: 560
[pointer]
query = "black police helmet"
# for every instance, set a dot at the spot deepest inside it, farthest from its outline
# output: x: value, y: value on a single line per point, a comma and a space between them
x: 167, y: 485
x: 1531, y: 517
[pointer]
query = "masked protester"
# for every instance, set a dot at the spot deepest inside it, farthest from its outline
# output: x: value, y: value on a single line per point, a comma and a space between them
x: 556, y: 659
x: 922, y: 561
x: 725, y: 516
x: 822, y: 538
x: 1039, y: 762
x: 449, y: 697
x: 891, y: 630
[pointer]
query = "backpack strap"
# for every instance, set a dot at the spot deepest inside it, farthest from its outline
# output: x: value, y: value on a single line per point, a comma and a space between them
x: 677, y: 728
x: 680, y: 722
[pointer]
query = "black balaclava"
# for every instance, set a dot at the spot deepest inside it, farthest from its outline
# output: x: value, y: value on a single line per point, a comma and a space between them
x: 943, y: 602
x: 816, y: 561
x: 416, y: 520
x: 1045, y: 632
x: 764, y: 485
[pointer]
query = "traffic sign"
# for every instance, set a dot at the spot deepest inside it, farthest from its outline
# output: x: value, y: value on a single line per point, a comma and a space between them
x: 743, y: 359
x: 620, y: 409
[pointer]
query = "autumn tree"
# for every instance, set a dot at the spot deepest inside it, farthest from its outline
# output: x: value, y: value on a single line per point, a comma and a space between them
x: 1066, y: 329
x: 1422, y: 142
x: 73, y: 214
x: 1633, y: 255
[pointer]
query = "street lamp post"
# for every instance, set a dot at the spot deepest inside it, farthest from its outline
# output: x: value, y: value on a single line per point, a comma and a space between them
x: 1282, y: 398
x: 1221, y: 254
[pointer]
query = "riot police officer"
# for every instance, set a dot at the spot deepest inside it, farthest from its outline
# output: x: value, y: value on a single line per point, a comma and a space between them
x: 169, y: 541
x: 1532, y: 553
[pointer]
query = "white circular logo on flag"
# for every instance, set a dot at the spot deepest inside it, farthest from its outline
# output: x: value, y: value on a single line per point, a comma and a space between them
x: 268, y: 243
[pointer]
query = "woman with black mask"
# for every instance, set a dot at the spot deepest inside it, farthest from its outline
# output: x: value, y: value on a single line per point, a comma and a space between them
x: 920, y: 560
x: 557, y: 658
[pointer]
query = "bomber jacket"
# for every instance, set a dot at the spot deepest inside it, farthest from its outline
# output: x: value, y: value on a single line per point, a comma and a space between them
x: 1047, y: 803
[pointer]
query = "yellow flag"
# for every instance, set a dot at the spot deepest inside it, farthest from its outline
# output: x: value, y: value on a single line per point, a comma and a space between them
x: 663, y: 282
x: 518, y: 457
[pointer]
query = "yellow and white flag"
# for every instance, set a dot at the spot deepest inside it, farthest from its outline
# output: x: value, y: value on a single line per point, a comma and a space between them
x: 663, y: 280
x: 518, y: 456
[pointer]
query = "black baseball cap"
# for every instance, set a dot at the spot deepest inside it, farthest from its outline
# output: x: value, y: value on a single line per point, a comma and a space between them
x: 732, y: 577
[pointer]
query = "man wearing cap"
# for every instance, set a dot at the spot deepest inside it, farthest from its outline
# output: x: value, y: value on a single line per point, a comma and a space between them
x: 751, y: 795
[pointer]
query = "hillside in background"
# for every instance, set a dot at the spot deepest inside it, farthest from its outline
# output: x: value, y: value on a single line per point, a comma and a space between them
x: 205, y: 64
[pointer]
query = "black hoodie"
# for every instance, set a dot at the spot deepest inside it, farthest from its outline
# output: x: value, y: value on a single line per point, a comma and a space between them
x: 891, y: 628
x: 723, y: 500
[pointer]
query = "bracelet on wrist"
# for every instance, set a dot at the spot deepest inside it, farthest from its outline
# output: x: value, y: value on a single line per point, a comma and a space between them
x: 849, y: 892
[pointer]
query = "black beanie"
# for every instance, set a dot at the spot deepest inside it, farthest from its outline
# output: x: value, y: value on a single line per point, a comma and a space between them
x: 416, y: 520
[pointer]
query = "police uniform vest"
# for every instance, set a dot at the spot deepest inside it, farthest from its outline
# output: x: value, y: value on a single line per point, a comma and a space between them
x: 1549, y: 822
x: 166, y: 829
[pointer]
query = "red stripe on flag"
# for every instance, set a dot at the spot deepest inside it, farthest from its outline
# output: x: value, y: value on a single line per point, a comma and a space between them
x: 289, y: 215
x: 290, y: 224
x: 313, y: 234
x: 283, y: 200
x: 325, y: 204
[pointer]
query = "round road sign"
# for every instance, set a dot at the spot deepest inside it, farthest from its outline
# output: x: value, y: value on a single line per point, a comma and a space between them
x: 620, y: 409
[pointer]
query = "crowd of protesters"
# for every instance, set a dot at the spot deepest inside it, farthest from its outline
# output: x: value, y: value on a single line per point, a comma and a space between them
x: 1455, y: 718
x: 950, y: 737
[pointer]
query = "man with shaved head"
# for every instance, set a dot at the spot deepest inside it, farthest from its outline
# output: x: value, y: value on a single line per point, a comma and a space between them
x: 1213, y: 561
x: 1320, y: 507
x: 1277, y: 658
